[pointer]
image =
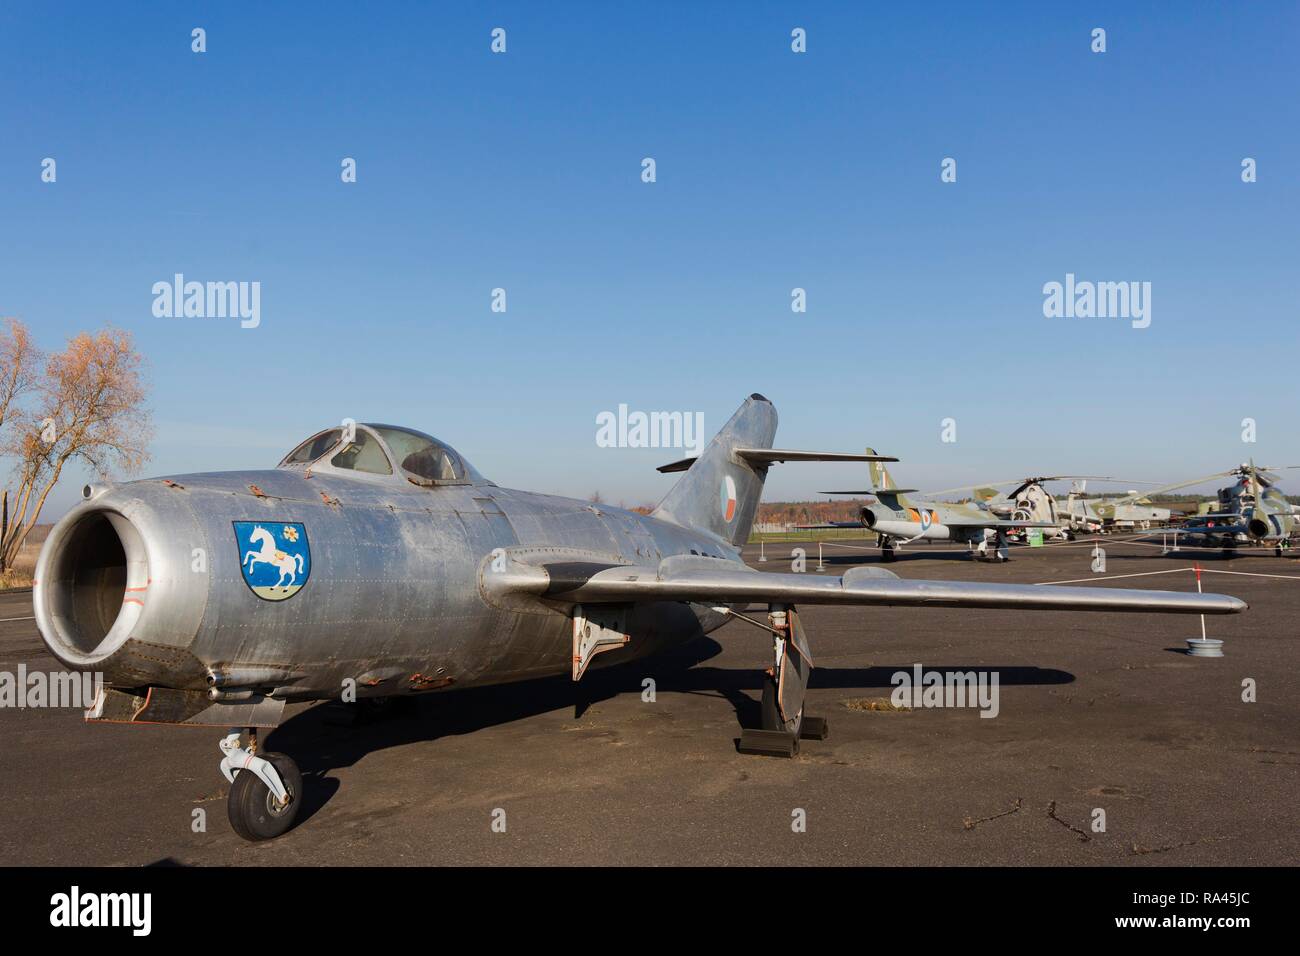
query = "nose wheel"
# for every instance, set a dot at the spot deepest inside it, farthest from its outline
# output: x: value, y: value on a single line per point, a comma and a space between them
x: 265, y: 789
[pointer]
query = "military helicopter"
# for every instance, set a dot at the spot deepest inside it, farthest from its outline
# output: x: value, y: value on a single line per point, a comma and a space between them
x: 1252, y: 510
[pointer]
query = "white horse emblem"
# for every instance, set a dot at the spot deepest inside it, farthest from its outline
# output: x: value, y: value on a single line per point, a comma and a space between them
x: 289, y: 565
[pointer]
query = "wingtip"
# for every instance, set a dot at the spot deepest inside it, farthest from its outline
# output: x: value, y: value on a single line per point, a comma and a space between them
x: 1227, y: 604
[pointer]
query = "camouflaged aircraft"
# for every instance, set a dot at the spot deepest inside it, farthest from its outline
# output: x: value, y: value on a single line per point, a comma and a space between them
x: 1030, y: 501
x: 376, y: 560
x: 1134, y: 510
x: 1250, y: 511
x: 897, y: 520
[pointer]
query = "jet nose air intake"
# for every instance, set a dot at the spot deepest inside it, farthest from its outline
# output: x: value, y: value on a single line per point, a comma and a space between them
x: 91, y: 585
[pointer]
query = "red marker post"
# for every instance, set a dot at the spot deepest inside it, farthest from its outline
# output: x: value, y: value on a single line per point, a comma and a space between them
x: 1206, y: 646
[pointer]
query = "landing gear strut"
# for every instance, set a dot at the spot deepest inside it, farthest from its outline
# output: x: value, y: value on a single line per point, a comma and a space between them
x: 999, y: 551
x: 265, y: 789
x: 784, y: 687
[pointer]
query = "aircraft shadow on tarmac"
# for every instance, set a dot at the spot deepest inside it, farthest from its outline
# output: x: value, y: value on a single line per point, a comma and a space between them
x: 320, y: 744
x: 1199, y: 555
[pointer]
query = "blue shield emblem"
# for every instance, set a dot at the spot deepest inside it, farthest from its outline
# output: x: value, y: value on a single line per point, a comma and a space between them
x: 275, y: 557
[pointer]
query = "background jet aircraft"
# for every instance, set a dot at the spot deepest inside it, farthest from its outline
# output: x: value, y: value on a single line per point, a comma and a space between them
x: 897, y: 520
x: 1031, y: 501
x: 1134, y: 510
x: 376, y: 560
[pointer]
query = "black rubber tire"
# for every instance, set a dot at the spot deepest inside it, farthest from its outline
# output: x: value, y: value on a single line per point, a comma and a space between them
x: 251, y: 805
x: 772, y: 714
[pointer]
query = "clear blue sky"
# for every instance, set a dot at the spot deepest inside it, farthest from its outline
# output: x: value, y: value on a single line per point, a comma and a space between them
x: 775, y: 170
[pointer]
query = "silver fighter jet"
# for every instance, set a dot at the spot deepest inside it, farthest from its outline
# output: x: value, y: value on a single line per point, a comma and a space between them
x: 374, y: 561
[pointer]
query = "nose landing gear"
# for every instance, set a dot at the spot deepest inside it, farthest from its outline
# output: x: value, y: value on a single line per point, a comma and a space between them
x: 265, y: 790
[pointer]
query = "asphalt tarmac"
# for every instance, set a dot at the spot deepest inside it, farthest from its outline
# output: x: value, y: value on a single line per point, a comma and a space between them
x: 1095, y: 712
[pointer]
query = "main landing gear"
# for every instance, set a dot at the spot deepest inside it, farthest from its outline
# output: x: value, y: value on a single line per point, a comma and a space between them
x: 999, y: 552
x: 887, y: 548
x: 785, y: 683
x: 265, y: 789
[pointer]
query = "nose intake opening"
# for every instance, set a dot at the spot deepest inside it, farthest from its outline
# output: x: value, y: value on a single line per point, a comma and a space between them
x: 95, y: 587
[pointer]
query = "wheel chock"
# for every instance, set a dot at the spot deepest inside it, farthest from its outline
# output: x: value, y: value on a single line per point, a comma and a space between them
x: 768, y: 743
x: 814, y: 728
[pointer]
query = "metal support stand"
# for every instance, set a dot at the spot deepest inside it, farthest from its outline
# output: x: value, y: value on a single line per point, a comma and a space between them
x: 1204, y: 646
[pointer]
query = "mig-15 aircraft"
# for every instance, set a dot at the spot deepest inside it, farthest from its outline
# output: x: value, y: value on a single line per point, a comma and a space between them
x: 376, y: 558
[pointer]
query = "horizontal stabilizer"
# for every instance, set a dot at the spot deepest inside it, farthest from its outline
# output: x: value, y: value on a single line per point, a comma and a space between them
x: 682, y: 465
x: 873, y: 491
x: 762, y: 457
x: 766, y: 456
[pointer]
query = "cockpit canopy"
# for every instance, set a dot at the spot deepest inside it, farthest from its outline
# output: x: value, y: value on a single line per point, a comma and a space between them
x: 371, y: 449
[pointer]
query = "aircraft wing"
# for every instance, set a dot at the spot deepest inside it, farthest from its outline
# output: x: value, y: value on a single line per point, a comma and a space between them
x: 1005, y: 524
x: 716, y: 581
x: 1215, y: 530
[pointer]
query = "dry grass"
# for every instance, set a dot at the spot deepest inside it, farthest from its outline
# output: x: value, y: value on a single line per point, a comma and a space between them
x: 881, y: 705
x: 20, y: 575
x: 15, y: 579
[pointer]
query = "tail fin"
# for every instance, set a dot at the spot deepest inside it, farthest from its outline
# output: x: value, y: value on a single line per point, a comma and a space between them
x: 719, y: 492
x: 881, y: 480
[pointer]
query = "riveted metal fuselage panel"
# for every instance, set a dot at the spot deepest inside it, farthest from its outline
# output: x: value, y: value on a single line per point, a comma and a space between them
x: 393, y: 584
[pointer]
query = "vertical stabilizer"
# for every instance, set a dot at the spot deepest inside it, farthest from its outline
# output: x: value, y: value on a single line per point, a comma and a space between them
x: 719, y: 492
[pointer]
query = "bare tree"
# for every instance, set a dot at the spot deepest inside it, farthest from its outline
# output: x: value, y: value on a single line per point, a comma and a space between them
x: 88, y: 407
x: 19, y: 360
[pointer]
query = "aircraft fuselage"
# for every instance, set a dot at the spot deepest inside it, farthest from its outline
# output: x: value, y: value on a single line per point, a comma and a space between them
x: 389, y: 595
